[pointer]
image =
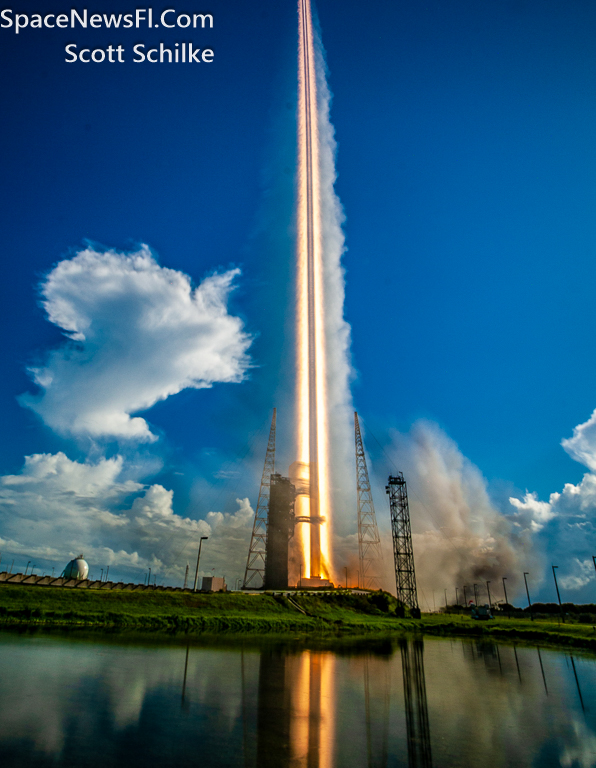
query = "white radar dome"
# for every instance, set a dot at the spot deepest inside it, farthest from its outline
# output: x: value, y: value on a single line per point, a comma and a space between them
x: 76, y: 569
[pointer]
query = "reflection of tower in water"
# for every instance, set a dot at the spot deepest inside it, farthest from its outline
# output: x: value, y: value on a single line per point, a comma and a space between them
x: 377, y: 721
x: 295, y: 713
x: 418, y: 730
x: 293, y: 709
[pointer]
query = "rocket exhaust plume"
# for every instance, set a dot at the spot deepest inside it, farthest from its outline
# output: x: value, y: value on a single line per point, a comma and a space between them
x: 323, y: 401
x: 467, y: 537
x: 312, y: 427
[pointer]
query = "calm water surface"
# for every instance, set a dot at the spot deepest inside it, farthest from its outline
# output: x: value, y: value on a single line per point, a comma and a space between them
x: 97, y: 702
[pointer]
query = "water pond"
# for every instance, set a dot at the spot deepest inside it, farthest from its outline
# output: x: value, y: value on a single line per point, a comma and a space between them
x: 119, y: 701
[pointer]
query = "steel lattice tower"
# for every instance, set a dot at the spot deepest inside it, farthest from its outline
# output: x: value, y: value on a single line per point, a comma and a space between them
x: 369, y: 543
x: 405, y: 576
x: 254, y: 576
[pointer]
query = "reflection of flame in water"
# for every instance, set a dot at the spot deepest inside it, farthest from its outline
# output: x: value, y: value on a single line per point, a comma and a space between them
x: 312, y: 426
x: 479, y: 712
x: 296, y: 724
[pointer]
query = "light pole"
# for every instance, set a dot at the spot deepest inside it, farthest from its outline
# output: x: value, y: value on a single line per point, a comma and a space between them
x: 27, y: 566
x: 456, y: 597
x: 488, y: 590
x: 528, y: 594
x: 465, y: 597
x: 346, y: 570
x: 300, y: 582
x: 203, y: 538
x: 505, y: 592
x: 475, y: 596
x: 107, y: 572
x: 558, y: 595
x: 445, y: 601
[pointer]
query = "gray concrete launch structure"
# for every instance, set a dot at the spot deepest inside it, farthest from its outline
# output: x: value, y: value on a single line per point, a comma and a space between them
x: 280, y: 528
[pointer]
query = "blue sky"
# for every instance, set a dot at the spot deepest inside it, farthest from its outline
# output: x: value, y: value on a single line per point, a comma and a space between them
x: 466, y: 169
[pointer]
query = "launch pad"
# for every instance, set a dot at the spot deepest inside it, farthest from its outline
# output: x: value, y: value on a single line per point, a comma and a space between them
x: 314, y: 584
x: 281, y: 507
x: 281, y: 523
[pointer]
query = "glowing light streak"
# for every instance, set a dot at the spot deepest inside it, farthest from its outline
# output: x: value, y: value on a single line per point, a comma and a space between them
x: 312, y: 427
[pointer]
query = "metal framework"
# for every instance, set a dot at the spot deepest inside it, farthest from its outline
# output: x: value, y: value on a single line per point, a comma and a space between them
x: 369, y: 543
x: 254, y: 576
x: 403, y: 554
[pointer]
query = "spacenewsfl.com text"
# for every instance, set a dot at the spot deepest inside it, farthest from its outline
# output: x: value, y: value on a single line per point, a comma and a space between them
x: 177, y: 53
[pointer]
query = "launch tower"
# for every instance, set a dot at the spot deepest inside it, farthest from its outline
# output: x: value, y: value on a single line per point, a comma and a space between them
x: 369, y: 543
x: 254, y: 575
x: 403, y: 553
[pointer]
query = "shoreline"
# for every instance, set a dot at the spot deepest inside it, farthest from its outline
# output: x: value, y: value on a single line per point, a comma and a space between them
x: 303, y: 616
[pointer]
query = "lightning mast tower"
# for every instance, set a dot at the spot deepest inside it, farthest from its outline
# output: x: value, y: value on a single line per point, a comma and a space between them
x: 254, y: 576
x: 403, y: 553
x: 369, y: 543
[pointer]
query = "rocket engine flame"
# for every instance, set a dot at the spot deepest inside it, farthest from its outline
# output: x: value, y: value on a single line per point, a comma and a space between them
x: 312, y: 428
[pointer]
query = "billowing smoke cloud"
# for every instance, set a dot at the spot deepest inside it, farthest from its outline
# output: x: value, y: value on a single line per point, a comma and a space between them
x: 55, y: 508
x: 337, y: 330
x: 459, y: 537
x: 138, y: 333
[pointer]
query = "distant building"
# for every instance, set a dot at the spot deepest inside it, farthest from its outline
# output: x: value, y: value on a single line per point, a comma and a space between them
x: 76, y: 569
x: 213, y: 584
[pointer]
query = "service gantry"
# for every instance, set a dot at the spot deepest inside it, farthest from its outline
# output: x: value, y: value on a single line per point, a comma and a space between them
x: 369, y: 543
x: 403, y: 553
x: 254, y: 575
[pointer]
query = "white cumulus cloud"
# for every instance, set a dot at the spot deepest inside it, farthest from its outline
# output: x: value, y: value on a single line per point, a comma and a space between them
x: 137, y: 333
x: 532, y: 512
x: 567, y: 518
x: 582, y: 573
x: 582, y: 446
x: 55, y: 508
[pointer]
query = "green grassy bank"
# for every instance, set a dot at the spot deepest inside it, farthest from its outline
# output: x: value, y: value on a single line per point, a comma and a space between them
x: 543, y: 632
x: 187, y: 612
x: 342, y: 613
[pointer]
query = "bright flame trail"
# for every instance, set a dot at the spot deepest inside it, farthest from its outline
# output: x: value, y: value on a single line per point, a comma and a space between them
x: 312, y: 397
